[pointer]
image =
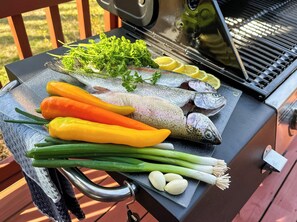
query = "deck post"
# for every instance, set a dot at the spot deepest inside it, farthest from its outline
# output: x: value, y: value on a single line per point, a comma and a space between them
x: 55, y: 25
x: 84, y: 20
x: 20, y: 36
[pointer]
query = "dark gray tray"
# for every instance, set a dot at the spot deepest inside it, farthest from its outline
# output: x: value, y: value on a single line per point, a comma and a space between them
x: 30, y: 93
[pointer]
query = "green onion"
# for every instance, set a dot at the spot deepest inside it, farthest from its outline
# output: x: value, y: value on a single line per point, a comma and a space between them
x: 166, y: 146
x: 134, y: 165
x: 215, y: 170
x: 24, y: 122
x: 36, y: 120
x: 85, y: 149
x: 30, y: 116
x: 43, y: 144
x: 59, y: 141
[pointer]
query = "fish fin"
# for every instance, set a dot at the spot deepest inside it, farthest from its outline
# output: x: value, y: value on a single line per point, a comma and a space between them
x: 99, y: 90
x: 207, y: 112
x: 188, y: 108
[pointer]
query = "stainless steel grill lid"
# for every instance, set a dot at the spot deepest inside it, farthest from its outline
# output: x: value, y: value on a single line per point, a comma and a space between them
x: 189, y: 27
x: 250, y: 42
x: 265, y: 34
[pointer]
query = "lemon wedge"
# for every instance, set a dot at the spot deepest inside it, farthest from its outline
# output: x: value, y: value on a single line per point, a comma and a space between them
x: 190, y: 70
x: 213, y: 81
x: 166, y: 63
x: 179, y: 68
x: 201, y: 75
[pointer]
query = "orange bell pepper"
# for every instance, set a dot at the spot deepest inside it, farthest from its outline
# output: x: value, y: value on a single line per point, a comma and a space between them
x: 55, y: 106
x: 74, y: 92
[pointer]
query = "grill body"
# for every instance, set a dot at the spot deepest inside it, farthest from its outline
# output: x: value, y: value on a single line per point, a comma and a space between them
x: 255, y: 51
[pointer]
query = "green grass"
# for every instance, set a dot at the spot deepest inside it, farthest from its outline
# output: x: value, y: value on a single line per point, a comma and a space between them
x: 38, y: 34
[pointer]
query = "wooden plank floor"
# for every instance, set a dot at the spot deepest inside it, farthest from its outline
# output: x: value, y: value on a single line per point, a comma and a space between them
x: 23, y: 209
x: 276, y: 197
x: 274, y: 200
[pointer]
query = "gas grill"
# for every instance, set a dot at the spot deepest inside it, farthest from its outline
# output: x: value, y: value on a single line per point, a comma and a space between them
x: 250, y: 45
x: 264, y: 32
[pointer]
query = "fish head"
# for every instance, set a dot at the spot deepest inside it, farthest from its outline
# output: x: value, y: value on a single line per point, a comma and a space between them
x: 200, y: 86
x: 212, y: 102
x: 201, y: 126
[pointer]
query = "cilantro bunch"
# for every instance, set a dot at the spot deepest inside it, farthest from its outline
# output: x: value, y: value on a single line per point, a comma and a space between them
x: 110, y: 57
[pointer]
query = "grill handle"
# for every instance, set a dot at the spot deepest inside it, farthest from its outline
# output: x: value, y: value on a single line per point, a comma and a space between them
x: 96, y: 192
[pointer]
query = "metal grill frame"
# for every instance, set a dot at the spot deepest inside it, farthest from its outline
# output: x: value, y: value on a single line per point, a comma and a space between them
x: 267, y: 51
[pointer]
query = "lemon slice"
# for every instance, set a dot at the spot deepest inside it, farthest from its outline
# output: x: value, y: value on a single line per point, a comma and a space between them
x: 213, y: 81
x: 201, y: 75
x: 190, y: 70
x: 179, y: 68
x: 166, y: 63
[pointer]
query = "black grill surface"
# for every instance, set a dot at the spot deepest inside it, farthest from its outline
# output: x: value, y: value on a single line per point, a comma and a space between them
x: 250, y: 43
x: 265, y: 34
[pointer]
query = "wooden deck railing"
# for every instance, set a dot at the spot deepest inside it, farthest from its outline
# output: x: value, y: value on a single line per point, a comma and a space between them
x: 13, y: 9
x: 111, y: 21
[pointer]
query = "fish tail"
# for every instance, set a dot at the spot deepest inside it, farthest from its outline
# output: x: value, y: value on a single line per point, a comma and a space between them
x: 56, y: 66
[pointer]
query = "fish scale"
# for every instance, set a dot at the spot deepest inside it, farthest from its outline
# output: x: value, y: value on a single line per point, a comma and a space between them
x: 211, y: 103
x: 203, y: 97
x: 177, y: 96
x: 175, y: 80
x: 160, y: 113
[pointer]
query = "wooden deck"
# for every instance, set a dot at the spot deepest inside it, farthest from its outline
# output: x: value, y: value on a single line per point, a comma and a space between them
x: 16, y: 204
x: 274, y: 200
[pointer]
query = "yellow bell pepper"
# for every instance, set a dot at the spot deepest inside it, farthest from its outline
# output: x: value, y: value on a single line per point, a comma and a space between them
x: 68, y: 128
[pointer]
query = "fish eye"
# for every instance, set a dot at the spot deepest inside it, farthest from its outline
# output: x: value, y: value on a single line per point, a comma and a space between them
x: 208, y: 135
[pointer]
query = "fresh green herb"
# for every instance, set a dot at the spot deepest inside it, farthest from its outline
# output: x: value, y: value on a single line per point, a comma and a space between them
x: 155, y: 77
x: 110, y: 57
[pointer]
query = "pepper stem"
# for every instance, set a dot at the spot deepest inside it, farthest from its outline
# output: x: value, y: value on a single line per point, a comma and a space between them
x: 38, y: 110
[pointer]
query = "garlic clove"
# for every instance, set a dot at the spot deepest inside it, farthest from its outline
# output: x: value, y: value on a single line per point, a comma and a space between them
x: 176, y: 187
x: 157, y: 180
x: 172, y: 176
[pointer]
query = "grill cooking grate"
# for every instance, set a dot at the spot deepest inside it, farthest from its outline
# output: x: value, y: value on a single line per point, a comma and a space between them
x: 265, y: 34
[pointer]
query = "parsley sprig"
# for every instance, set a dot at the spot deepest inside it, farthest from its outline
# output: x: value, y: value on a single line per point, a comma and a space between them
x: 110, y: 57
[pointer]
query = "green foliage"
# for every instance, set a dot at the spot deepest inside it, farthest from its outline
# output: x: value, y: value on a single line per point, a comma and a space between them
x: 38, y: 34
x: 110, y: 57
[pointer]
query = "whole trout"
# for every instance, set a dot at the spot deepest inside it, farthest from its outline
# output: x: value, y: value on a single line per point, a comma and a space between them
x: 160, y: 113
x: 174, y: 80
x: 204, y: 97
x: 211, y: 102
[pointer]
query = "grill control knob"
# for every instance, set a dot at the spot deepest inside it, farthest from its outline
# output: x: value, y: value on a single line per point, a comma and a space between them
x: 293, y: 122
